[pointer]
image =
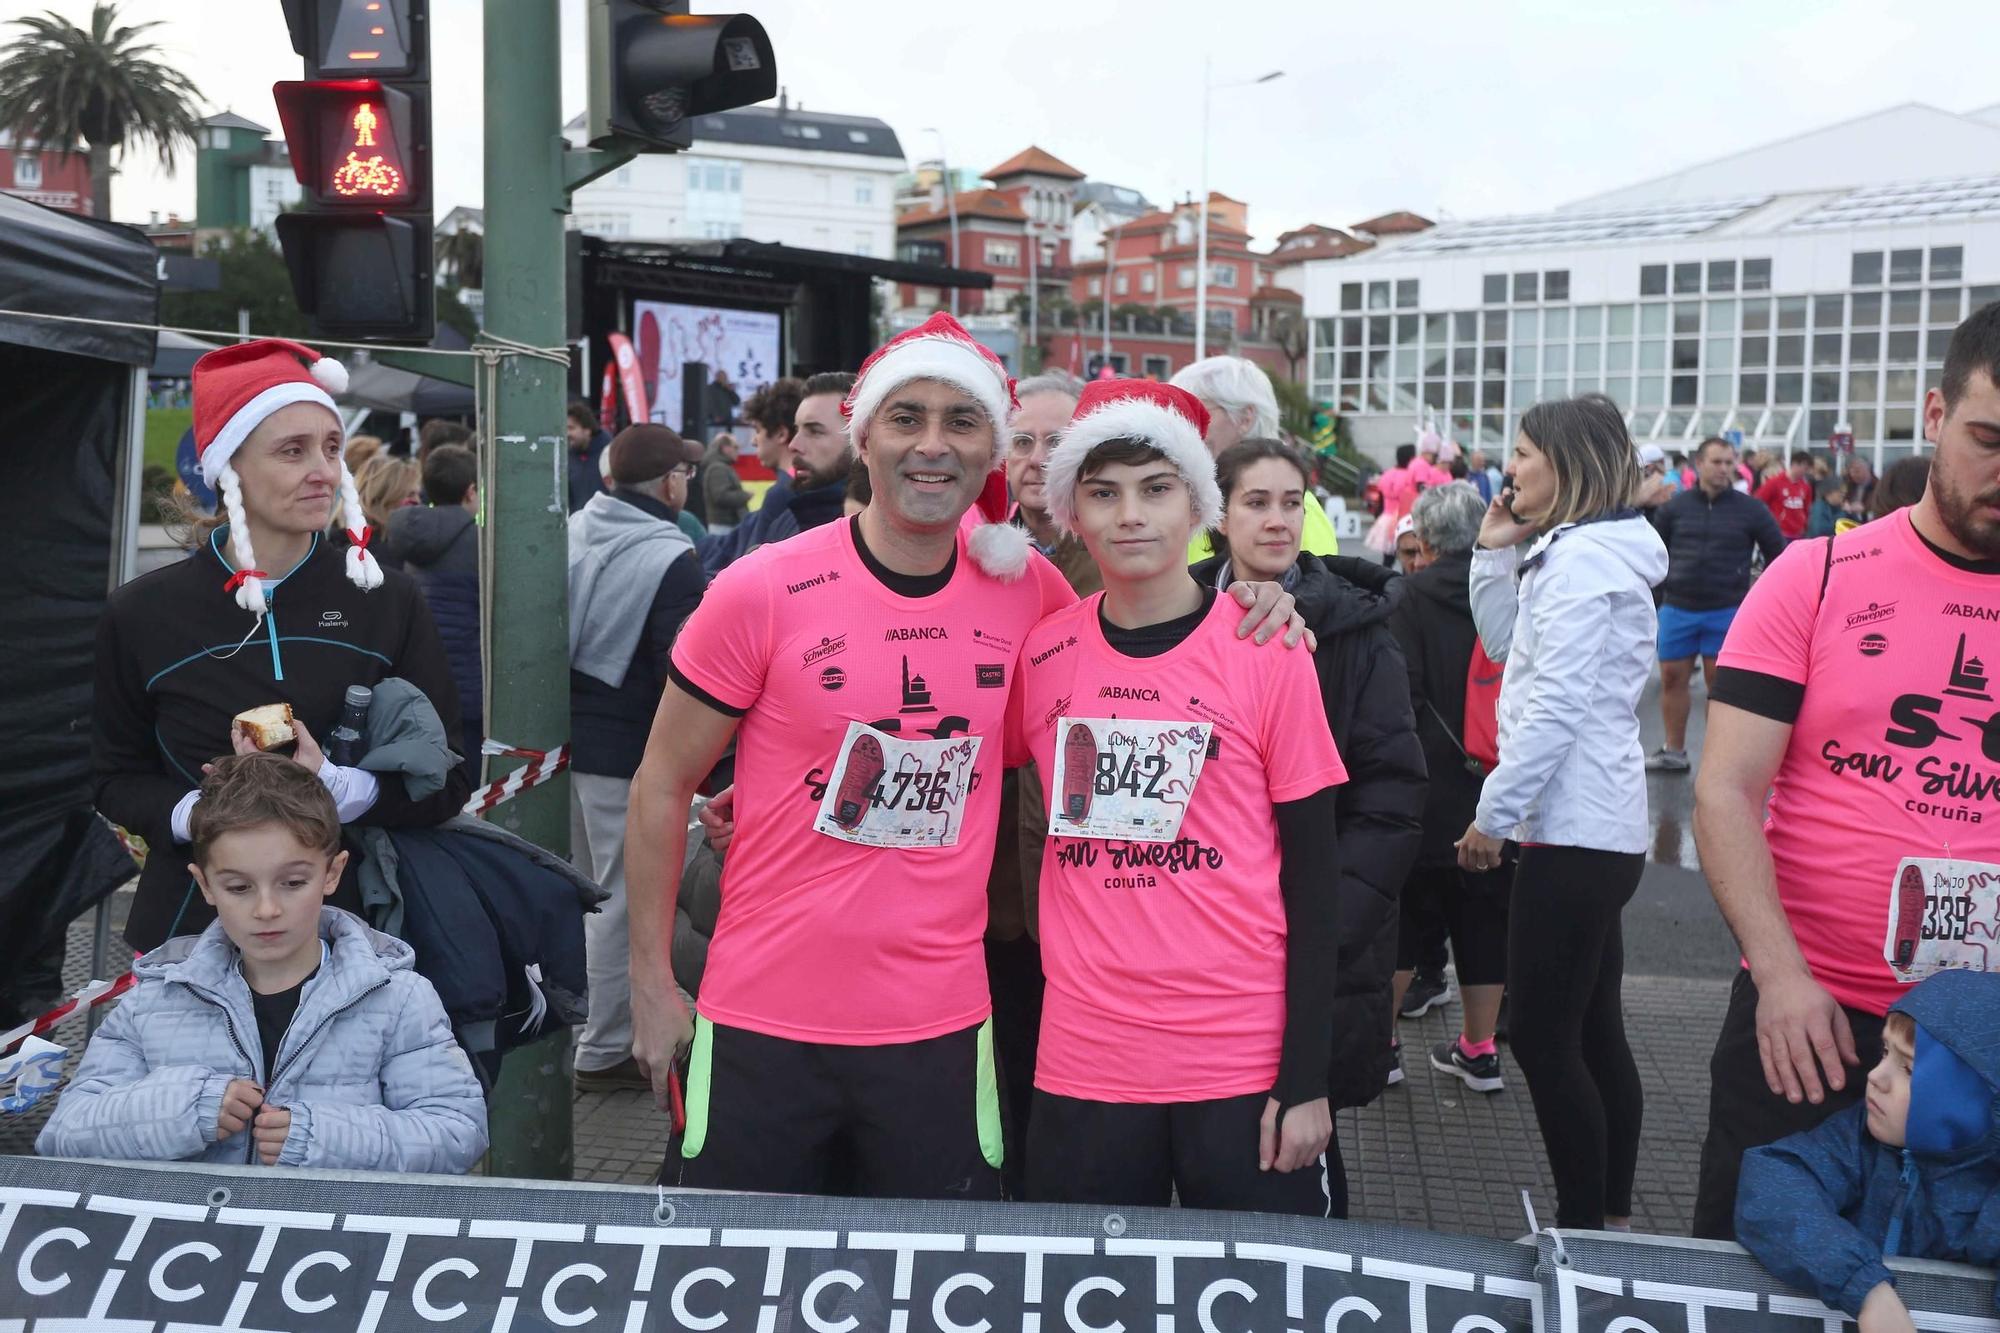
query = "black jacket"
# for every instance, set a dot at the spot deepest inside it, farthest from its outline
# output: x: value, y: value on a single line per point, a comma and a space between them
x: 170, y: 676
x: 782, y: 513
x: 608, y: 724
x: 586, y: 470
x: 1433, y: 627
x: 440, y: 552
x: 1347, y: 604
x: 1709, y: 542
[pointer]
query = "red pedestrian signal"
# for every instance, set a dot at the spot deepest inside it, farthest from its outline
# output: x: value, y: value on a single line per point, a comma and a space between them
x: 352, y: 141
x: 359, y: 249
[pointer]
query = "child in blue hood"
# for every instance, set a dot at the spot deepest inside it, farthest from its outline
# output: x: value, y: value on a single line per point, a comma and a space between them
x: 1914, y: 1171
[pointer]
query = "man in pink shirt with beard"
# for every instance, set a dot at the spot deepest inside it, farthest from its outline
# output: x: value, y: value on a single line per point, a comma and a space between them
x: 1854, y: 689
x: 863, y: 669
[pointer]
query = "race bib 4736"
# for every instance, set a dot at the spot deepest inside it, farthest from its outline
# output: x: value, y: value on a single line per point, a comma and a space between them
x: 889, y: 792
x: 1123, y: 778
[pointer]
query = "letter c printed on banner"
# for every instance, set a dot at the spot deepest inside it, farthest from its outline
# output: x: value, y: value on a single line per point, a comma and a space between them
x: 722, y: 1277
x: 1074, y: 1301
x: 156, y: 1280
x: 289, y: 1288
x: 554, y: 1313
x: 24, y: 1271
x: 942, y: 1298
x: 420, y: 1294
x: 1351, y: 1305
x: 809, y: 1301
x: 1214, y: 1291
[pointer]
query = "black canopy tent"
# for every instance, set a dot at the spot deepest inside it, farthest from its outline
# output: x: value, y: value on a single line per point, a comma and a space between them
x: 73, y: 418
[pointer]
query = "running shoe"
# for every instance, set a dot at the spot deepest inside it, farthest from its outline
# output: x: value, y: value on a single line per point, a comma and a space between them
x: 1664, y: 760
x: 1395, y: 1063
x: 1427, y: 991
x: 1481, y: 1073
x: 1079, y: 772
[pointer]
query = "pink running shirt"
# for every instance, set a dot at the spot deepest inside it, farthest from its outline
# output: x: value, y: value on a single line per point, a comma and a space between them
x: 1166, y: 961
x: 1896, y: 748
x: 819, y: 939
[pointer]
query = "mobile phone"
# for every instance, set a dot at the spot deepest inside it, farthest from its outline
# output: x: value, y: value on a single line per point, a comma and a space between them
x: 1507, y: 503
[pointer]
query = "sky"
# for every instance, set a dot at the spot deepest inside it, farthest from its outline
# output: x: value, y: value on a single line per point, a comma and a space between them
x: 1449, y: 109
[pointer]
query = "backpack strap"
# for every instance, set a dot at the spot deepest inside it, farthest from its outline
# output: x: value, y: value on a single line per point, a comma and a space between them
x: 1826, y: 571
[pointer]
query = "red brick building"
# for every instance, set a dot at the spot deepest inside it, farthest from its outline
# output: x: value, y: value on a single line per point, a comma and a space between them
x: 1019, y: 231
x: 59, y: 180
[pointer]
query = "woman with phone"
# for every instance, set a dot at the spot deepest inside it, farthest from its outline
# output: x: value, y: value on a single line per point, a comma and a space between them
x: 1562, y: 593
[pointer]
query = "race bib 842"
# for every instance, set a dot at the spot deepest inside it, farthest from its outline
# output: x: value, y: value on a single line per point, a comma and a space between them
x: 1124, y: 778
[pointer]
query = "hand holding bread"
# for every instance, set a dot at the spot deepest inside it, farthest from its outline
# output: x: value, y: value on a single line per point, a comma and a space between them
x: 271, y: 725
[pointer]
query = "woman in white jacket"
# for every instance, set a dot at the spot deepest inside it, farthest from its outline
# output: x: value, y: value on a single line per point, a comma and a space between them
x: 1562, y: 591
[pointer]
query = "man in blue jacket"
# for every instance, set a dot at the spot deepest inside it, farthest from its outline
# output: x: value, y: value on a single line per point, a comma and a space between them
x: 1711, y: 532
x: 1914, y: 1171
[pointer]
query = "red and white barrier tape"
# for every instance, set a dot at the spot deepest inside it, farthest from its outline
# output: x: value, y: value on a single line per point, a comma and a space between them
x: 92, y: 993
x: 545, y: 766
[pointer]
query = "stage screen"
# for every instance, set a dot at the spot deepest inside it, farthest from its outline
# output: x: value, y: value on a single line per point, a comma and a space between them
x: 741, y: 343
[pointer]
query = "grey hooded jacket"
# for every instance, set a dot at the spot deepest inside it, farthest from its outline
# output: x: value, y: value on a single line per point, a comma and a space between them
x: 368, y: 1068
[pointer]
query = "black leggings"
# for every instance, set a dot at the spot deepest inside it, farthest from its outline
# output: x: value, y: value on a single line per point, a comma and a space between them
x: 1565, y: 967
x: 1471, y: 907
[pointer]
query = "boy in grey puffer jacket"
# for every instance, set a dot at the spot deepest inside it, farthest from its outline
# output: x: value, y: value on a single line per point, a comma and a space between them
x: 288, y: 1032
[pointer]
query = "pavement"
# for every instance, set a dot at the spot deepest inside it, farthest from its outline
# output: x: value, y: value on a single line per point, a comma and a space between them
x: 1429, y: 1153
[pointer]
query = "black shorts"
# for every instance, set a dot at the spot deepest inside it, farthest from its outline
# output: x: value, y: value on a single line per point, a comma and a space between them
x: 912, y: 1120
x: 1145, y: 1154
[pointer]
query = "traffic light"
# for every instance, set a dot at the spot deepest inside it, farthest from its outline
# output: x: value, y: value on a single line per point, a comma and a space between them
x: 359, y: 129
x: 654, y: 67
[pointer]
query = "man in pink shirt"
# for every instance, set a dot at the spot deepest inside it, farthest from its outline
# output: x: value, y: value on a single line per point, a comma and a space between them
x: 1187, y: 907
x: 1853, y: 690
x: 863, y: 669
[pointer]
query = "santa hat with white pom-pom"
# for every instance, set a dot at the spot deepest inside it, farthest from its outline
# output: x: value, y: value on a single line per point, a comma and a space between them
x: 235, y: 389
x: 940, y: 349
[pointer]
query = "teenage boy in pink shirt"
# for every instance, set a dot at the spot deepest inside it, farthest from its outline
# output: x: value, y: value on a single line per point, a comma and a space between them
x: 1187, y: 890
x: 863, y: 669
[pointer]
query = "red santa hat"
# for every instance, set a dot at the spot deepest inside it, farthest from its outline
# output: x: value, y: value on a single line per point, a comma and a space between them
x: 235, y: 389
x: 940, y: 349
x: 1168, y: 418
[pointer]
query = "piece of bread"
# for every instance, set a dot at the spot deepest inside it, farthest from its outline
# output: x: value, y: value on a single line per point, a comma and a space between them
x: 267, y: 726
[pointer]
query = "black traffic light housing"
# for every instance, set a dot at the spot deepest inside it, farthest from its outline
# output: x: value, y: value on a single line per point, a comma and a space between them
x: 654, y: 67
x: 359, y: 128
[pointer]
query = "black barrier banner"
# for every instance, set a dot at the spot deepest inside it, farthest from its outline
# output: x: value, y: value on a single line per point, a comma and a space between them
x: 187, y: 1249
x: 1594, y: 1283
x: 135, y: 1249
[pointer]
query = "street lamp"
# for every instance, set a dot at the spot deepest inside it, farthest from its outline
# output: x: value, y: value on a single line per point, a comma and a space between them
x: 1201, y: 240
x: 950, y: 208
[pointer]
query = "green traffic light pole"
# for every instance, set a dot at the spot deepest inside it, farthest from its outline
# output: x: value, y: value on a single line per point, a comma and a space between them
x: 529, y: 173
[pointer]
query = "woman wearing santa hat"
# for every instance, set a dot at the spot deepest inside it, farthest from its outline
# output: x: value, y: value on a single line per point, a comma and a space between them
x: 265, y: 610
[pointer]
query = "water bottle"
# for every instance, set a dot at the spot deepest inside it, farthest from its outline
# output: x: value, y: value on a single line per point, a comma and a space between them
x: 345, y: 743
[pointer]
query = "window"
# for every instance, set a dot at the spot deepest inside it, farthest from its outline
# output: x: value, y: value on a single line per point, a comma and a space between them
x: 1867, y: 310
x: 1555, y: 285
x: 1185, y: 278
x: 1495, y: 289
x: 1406, y: 294
x: 1653, y: 280
x: 1146, y: 280
x: 1906, y: 266
x: 1722, y: 275
x: 1867, y: 270
x: 1944, y: 305
x: 1157, y: 367
x: 864, y: 190
x: 27, y: 171
x: 1119, y: 285
x: 1097, y: 286
x: 1756, y: 275
x: 1222, y: 275
x: 1378, y: 296
x: 1687, y: 278
x: 1526, y: 285
x: 1350, y: 296
x: 809, y: 132
x: 1003, y: 254
x: 1828, y: 312
x: 1947, y: 263
x: 857, y: 136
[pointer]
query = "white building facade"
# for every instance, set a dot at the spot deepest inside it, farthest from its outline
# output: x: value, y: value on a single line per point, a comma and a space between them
x: 1781, y: 314
x: 776, y: 174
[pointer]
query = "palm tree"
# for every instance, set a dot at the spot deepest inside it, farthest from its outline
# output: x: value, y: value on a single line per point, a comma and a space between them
x: 61, y: 86
x: 462, y: 253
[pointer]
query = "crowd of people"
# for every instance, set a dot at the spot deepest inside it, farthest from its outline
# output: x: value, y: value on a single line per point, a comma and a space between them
x: 1025, y: 798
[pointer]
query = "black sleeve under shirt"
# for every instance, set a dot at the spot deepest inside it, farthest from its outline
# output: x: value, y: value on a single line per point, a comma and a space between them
x: 1759, y: 692
x: 1308, y: 873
